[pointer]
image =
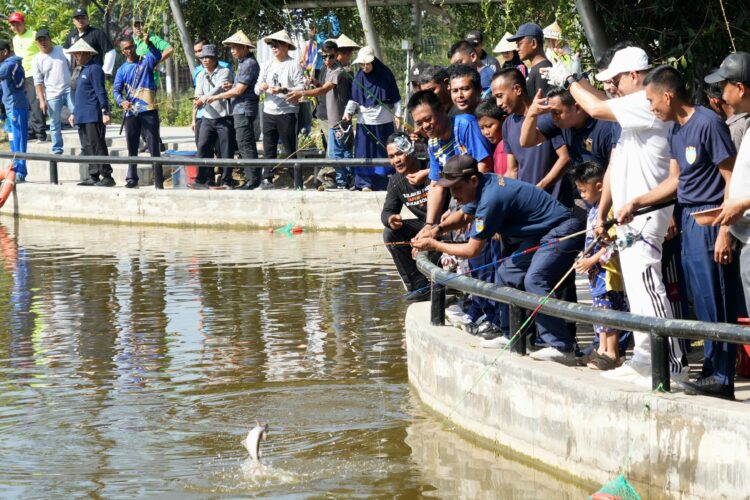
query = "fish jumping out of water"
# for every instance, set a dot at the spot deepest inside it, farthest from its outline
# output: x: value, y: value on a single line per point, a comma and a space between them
x: 252, y: 441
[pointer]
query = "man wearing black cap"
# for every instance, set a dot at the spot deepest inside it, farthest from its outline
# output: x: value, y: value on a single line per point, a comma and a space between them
x: 530, y: 42
x: 51, y: 71
x: 734, y: 77
x: 95, y: 37
x: 414, y: 73
x: 476, y: 38
x: 525, y: 217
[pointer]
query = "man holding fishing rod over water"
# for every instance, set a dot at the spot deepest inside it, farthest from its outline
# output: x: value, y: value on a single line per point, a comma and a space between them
x: 525, y: 217
x: 134, y: 90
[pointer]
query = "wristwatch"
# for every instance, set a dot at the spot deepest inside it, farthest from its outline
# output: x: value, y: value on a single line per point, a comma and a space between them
x: 571, y: 79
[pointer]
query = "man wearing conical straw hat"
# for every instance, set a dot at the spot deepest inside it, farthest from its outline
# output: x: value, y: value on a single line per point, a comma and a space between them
x: 277, y: 78
x: 244, y: 101
x: 91, y: 114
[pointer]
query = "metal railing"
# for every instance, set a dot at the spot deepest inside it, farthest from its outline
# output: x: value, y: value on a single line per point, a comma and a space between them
x: 222, y: 163
x: 518, y: 301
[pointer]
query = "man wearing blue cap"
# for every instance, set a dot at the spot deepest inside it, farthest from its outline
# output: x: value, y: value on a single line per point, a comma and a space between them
x: 530, y: 42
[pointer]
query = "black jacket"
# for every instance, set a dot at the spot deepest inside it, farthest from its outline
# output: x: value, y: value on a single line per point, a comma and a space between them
x: 95, y: 37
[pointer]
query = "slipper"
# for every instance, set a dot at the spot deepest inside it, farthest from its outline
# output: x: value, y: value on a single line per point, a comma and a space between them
x: 602, y: 362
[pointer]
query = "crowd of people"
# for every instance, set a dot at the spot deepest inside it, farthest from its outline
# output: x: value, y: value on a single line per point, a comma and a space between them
x: 522, y: 187
x: 512, y: 165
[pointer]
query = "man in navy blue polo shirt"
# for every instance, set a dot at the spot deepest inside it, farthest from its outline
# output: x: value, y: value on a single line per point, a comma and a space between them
x: 543, y: 165
x: 558, y: 114
x: 702, y: 158
x: 525, y: 217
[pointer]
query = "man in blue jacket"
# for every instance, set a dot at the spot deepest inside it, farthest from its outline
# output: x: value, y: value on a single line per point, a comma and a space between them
x: 91, y: 113
x: 135, y: 91
x: 12, y: 79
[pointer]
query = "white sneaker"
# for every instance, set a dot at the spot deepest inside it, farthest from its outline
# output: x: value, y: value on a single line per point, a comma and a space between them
x: 496, y: 343
x: 631, y: 372
x: 552, y: 354
x: 682, y: 376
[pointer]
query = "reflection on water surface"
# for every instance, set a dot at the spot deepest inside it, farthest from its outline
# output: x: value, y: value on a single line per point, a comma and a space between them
x: 133, y: 361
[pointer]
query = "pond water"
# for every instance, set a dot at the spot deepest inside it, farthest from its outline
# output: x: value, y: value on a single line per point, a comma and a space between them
x: 134, y: 360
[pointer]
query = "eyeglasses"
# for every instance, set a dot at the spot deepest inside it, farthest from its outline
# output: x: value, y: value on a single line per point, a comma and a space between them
x: 616, y: 81
x: 328, y: 56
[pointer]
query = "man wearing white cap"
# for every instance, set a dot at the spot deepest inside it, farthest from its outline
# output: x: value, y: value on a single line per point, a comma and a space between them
x: 639, y: 163
x: 276, y: 79
x: 91, y: 113
x: 244, y: 102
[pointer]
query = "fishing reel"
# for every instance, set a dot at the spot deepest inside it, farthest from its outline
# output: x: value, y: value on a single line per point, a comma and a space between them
x: 404, y: 144
x: 136, y: 109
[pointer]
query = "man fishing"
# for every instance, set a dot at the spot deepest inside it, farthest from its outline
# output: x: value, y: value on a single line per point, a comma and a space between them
x: 525, y: 216
x: 135, y: 91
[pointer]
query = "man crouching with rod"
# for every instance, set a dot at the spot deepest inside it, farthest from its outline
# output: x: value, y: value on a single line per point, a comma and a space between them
x: 405, y: 190
x: 524, y: 216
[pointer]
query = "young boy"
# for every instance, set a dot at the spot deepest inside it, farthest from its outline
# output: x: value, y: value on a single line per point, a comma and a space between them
x: 605, y: 279
x: 491, y: 118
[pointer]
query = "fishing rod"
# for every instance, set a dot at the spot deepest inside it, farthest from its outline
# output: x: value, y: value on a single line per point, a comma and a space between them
x: 605, y: 225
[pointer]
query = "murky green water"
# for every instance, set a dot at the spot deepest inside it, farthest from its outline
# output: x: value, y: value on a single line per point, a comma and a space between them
x: 133, y: 361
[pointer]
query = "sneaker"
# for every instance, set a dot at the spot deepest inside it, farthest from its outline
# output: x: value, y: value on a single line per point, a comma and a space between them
x: 556, y: 355
x: 91, y: 181
x: 105, y: 182
x: 473, y: 328
x: 131, y: 184
x: 496, y: 343
x: 197, y: 185
x: 631, y: 372
x: 366, y: 189
x: 489, y: 332
x: 709, y: 386
x: 681, y: 377
x: 266, y: 184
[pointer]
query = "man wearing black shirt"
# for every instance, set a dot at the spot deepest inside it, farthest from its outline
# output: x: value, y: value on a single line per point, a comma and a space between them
x: 96, y: 38
x: 530, y: 42
x: 402, y: 192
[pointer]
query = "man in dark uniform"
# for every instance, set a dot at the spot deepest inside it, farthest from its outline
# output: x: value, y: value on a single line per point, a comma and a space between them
x: 524, y: 216
x: 96, y: 38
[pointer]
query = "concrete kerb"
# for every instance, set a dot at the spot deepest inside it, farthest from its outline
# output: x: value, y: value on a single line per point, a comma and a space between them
x: 578, y: 422
x: 340, y: 210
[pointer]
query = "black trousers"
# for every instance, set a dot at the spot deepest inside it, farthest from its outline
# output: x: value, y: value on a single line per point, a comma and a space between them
x: 37, y: 126
x: 244, y: 131
x: 215, y: 139
x: 93, y: 143
x: 147, y: 124
x: 405, y: 264
x: 280, y: 128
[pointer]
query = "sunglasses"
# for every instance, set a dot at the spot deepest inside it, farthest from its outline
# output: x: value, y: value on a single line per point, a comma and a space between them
x: 274, y: 45
x: 129, y: 47
x: 328, y: 56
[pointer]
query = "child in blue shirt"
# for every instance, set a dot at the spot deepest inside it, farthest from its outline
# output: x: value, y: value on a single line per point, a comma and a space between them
x: 605, y: 279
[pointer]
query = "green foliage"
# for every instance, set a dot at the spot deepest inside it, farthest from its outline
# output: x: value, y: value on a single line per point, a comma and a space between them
x: 54, y: 15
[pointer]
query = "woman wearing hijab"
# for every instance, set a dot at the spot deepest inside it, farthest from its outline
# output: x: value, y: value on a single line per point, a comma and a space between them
x: 511, y: 59
x: 376, y: 99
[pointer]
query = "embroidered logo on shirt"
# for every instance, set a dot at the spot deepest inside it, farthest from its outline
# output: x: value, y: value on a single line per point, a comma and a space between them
x: 479, y: 225
x: 501, y: 181
x: 588, y: 144
x: 690, y: 154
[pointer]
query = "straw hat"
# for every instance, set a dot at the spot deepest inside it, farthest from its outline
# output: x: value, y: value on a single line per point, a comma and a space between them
x: 504, y: 45
x: 81, y: 46
x: 365, y: 55
x: 281, y: 36
x: 344, y: 42
x: 553, y: 31
x: 239, y: 38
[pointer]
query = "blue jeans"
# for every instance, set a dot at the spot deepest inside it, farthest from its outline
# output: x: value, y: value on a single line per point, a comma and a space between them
x: 19, y: 136
x: 55, y: 106
x: 337, y: 148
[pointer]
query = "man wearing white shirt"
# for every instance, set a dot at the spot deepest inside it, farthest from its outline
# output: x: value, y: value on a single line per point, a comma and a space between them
x: 51, y: 71
x: 277, y: 78
x: 639, y: 163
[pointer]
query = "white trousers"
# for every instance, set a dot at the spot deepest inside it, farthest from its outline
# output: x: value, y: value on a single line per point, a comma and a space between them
x: 641, y: 270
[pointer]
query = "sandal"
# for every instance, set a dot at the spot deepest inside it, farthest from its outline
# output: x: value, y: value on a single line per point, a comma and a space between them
x: 602, y: 363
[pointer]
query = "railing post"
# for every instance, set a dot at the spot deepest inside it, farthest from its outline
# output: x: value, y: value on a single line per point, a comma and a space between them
x: 437, y: 305
x: 515, y: 315
x: 53, y: 172
x: 659, y: 363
